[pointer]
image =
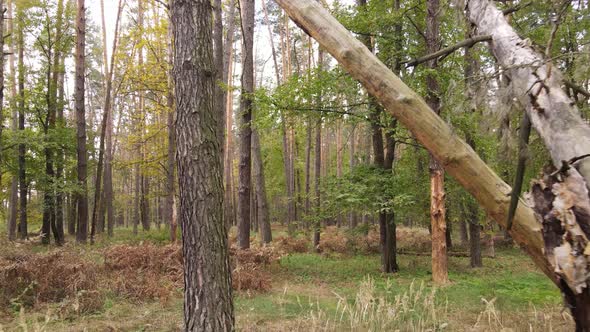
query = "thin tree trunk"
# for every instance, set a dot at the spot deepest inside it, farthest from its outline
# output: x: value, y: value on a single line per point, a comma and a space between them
x: 352, y: 221
x: 471, y: 66
x: 171, y: 160
x: 109, y: 71
x: 317, y: 174
x: 245, y: 166
x: 218, y: 55
x: 261, y: 200
x: 82, y: 195
x: 23, y: 231
x: 228, y: 64
x: 13, y: 203
x: 208, y: 292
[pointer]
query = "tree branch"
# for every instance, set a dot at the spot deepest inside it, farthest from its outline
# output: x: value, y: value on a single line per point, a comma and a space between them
x: 448, y: 50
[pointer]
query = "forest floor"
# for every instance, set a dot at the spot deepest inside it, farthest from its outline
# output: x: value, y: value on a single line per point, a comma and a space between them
x: 304, y: 292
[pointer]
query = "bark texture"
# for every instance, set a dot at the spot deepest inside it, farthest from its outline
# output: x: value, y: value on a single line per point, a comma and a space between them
x: 82, y: 194
x: 537, y: 84
x: 208, y: 294
x: 245, y: 165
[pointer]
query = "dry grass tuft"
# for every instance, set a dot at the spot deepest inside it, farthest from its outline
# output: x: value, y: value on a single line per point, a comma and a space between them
x: 333, y: 240
x: 292, y: 245
x: 413, y: 238
x: 249, y: 268
x: 153, y: 272
x: 143, y: 272
x: 30, y: 279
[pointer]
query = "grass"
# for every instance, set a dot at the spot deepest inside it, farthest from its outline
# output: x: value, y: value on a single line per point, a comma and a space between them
x: 323, y: 292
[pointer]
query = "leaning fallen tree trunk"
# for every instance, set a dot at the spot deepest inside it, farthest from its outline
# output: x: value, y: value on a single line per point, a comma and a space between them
x: 458, y: 159
x: 536, y: 82
x: 561, y: 199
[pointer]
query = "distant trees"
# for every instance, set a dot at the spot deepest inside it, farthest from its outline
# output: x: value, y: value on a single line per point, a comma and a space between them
x: 208, y: 294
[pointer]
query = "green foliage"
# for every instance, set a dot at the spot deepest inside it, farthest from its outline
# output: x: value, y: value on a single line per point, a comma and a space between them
x: 366, y: 189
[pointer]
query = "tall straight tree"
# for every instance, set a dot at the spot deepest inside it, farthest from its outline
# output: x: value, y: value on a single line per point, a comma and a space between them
x: 13, y: 202
x: 245, y: 166
x: 22, y: 180
x: 437, y: 177
x: 56, y: 89
x: 386, y: 219
x: 82, y: 194
x: 107, y: 202
x: 171, y: 159
x: 208, y: 292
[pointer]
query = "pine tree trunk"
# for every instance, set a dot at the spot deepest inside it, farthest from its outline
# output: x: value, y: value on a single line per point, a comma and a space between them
x: 208, y: 292
x: 22, y: 227
x: 171, y: 159
x: 228, y: 65
x: 82, y: 195
x: 13, y: 202
x: 245, y: 165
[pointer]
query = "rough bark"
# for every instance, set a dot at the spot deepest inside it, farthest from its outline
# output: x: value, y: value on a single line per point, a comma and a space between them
x: 245, y: 165
x: 458, y: 159
x: 537, y: 84
x: 82, y: 193
x: 437, y: 177
x: 208, y: 293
